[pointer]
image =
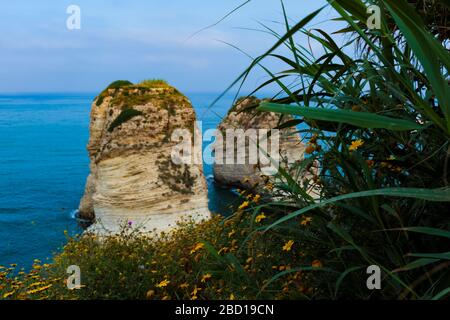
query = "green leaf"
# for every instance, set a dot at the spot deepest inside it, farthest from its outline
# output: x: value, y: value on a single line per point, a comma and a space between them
x: 355, y: 7
x: 417, y: 264
x: 419, y: 103
x: 441, y: 294
x: 213, y: 251
x: 342, y: 277
x: 282, y: 274
x: 289, y: 124
x: 429, y: 231
x: 439, y: 195
x: 358, y: 119
x: 427, y: 49
x: 441, y: 256
x: 292, y: 31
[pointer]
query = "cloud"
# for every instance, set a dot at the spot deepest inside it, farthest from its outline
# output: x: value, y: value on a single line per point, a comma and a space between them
x: 192, y: 62
x: 131, y: 40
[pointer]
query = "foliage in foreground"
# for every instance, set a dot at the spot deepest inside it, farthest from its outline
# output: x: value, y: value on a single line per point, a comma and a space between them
x: 377, y: 123
x: 378, y: 126
x: 217, y: 259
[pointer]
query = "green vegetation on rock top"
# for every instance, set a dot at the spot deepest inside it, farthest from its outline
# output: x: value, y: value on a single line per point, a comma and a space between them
x: 119, y: 83
x: 115, y: 85
x: 123, y: 117
x: 154, y: 83
x: 127, y: 94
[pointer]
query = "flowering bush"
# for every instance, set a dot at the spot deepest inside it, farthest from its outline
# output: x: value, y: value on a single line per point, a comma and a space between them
x: 223, y: 258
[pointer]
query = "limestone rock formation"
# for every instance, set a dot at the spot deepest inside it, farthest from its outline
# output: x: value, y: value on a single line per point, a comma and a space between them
x: 133, y: 179
x: 244, y: 116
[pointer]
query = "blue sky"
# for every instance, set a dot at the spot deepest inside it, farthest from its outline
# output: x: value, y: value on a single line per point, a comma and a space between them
x: 133, y: 40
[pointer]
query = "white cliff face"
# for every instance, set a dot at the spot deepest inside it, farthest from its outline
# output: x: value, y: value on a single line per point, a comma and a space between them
x: 249, y: 176
x: 133, y: 178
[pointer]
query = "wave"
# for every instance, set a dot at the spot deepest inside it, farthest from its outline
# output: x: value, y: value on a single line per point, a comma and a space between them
x: 74, y: 214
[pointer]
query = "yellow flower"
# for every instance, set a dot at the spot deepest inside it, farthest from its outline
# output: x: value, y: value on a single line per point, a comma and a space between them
x: 8, y: 294
x: 232, y: 297
x: 316, y: 264
x: 256, y: 198
x: 260, y: 218
x: 39, y: 289
x: 269, y: 186
x: 310, y: 149
x: 36, y: 284
x: 244, y: 205
x: 356, y: 144
x: 194, y: 293
x: 206, y: 277
x: 288, y: 245
x: 197, y: 247
x: 306, y: 221
x: 184, y: 286
x: 163, y: 283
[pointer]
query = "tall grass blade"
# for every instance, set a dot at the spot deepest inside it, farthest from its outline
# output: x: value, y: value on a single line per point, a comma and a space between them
x: 358, y: 119
x: 439, y: 195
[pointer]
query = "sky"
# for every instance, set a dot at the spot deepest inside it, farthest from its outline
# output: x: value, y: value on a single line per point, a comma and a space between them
x: 135, y: 40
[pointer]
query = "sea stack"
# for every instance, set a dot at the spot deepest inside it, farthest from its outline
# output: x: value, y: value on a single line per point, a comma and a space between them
x: 133, y: 179
x: 243, y: 115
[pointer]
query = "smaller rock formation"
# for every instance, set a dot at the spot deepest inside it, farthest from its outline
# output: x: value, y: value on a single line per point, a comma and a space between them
x: 133, y: 178
x: 245, y: 116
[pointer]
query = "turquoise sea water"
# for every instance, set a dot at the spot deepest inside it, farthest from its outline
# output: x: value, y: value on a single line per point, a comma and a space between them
x: 44, y: 165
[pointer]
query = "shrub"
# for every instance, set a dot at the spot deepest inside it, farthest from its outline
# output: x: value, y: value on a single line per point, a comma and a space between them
x: 123, y: 117
x: 115, y: 85
x: 378, y: 125
x: 119, y: 84
x: 216, y: 259
x: 154, y: 83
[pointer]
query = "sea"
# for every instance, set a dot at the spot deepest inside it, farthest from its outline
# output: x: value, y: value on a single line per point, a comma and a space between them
x: 44, y: 165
